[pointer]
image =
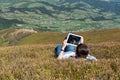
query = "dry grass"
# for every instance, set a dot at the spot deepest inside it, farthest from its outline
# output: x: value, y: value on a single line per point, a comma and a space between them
x: 37, y: 62
x: 34, y: 58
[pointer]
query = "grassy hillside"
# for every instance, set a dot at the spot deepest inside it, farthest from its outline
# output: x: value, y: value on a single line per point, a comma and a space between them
x: 9, y: 37
x: 34, y: 59
x: 95, y: 36
x: 61, y: 15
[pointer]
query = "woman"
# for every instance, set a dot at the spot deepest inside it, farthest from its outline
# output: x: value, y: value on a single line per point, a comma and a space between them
x: 65, y: 51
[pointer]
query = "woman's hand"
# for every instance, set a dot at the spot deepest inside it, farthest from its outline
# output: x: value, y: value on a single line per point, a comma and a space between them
x: 64, y: 44
x: 82, y: 40
x: 62, y: 50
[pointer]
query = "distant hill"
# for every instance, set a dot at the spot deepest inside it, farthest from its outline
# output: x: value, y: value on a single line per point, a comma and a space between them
x: 115, y: 0
x: 60, y: 15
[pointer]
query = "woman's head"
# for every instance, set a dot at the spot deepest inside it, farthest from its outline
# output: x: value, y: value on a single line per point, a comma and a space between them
x: 82, y: 50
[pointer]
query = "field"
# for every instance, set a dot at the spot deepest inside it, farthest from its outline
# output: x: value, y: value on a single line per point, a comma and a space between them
x: 32, y: 58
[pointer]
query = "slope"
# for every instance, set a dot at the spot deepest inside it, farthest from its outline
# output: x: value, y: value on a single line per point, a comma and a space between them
x: 10, y: 37
x: 95, y: 36
x: 37, y: 61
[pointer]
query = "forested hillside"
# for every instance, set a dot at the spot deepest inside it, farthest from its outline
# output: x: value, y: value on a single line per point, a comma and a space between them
x: 60, y: 15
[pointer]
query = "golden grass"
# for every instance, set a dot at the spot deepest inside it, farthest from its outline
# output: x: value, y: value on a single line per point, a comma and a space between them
x: 37, y: 61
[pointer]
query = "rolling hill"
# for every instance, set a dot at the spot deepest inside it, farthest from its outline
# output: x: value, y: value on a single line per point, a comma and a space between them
x: 60, y: 15
x: 12, y: 37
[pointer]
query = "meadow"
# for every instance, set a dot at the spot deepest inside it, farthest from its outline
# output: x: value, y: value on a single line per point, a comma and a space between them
x: 32, y: 58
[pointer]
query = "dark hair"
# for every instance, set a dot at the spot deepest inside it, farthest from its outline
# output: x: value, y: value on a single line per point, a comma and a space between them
x: 82, y: 50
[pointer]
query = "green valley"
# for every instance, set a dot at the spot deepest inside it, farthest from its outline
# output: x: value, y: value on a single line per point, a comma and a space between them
x: 61, y: 15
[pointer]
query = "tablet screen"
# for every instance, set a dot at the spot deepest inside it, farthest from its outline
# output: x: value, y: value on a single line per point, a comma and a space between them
x: 73, y: 39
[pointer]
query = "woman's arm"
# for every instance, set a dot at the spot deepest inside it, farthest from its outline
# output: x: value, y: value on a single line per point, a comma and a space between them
x: 62, y: 50
x: 82, y: 40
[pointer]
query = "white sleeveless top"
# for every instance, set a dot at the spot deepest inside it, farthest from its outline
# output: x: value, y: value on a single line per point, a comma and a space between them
x: 68, y: 54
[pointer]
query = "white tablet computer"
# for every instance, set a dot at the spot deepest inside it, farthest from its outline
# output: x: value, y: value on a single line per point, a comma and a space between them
x: 73, y: 39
